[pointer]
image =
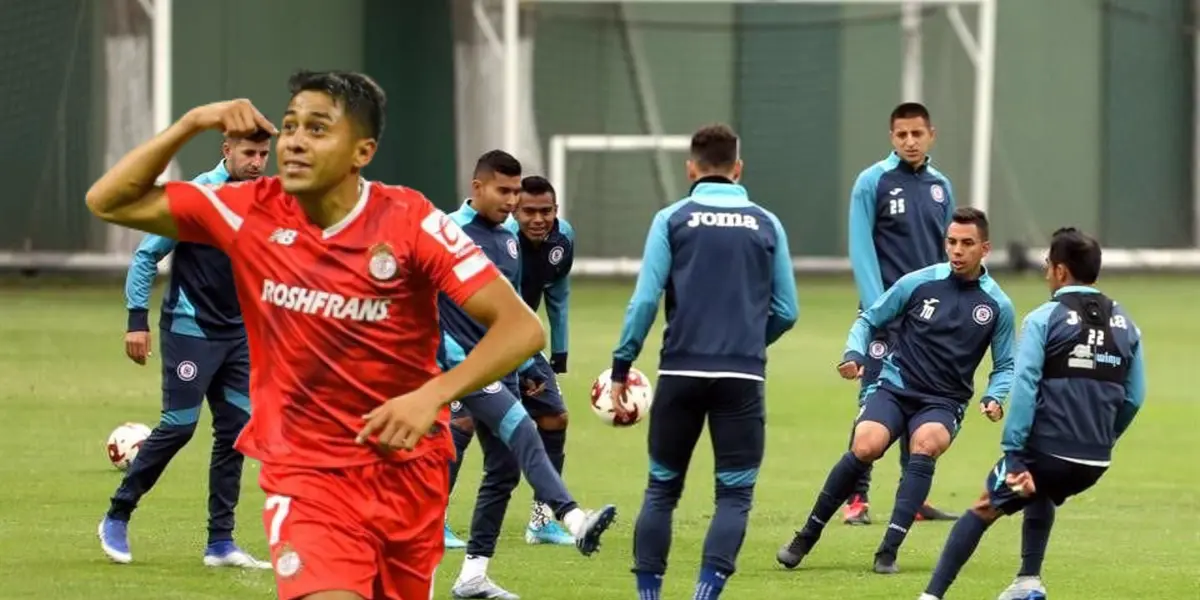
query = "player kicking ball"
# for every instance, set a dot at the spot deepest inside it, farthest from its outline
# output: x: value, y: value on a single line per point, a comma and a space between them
x: 948, y: 315
x: 1080, y: 381
x: 338, y: 279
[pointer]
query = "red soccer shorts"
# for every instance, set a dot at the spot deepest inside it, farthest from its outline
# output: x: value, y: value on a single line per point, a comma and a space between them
x: 375, y: 530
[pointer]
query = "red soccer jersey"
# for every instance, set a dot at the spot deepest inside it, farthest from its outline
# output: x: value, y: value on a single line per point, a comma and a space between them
x: 339, y: 320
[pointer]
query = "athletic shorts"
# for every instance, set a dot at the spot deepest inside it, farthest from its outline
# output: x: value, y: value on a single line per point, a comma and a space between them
x: 903, y: 414
x: 375, y: 530
x: 549, y: 402
x: 1053, y: 478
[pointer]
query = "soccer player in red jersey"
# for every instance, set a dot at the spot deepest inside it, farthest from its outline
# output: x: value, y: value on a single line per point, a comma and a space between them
x: 338, y: 279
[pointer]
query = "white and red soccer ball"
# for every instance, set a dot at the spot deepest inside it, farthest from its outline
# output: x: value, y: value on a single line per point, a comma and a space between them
x: 124, y: 443
x: 638, y: 395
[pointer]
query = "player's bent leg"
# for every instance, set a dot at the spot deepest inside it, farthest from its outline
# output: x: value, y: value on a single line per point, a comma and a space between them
x: 462, y: 430
x: 879, y: 423
x: 930, y: 437
x: 858, y: 506
x: 676, y: 422
x: 321, y: 546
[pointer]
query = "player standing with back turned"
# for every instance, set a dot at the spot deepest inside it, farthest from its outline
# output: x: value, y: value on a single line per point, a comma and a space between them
x: 337, y: 278
x: 899, y: 211
x: 1080, y: 381
x: 724, y: 264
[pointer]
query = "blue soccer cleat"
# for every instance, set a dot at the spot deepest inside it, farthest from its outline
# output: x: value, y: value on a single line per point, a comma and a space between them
x: 114, y: 540
x: 1028, y: 587
x: 549, y: 532
x: 227, y: 554
x: 451, y: 541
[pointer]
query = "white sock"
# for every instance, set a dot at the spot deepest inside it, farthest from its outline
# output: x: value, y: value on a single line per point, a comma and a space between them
x: 473, y: 566
x: 928, y: 597
x: 575, y: 521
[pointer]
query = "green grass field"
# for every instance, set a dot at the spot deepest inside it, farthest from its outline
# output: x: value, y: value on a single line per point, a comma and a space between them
x: 66, y: 383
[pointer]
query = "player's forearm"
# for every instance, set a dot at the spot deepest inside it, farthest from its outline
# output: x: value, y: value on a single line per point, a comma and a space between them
x: 856, y: 342
x: 508, y: 343
x: 133, y: 177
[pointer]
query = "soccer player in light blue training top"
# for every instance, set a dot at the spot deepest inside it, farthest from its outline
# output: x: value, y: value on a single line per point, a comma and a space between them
x: 204, y: 354
x: 724, y: 264
x: 948, y: 316
x: 899, y: 211
x: 1080, y: 380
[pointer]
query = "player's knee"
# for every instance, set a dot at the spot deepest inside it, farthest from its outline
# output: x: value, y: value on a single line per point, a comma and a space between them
x: 463, y: 425
x: 552, y: 422
x: 985, y: 511
x: 870, y: 441
x: 930, y: 439
x: 175, y: 427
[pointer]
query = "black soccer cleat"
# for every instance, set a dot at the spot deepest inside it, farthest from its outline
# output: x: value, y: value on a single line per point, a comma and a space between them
x: 790, y: 555
x: 885, y: 564
x: 597, y: 523
x: 928, y: 512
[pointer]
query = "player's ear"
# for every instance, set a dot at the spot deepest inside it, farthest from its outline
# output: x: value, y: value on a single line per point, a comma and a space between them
x: 364, y: 151
x: 986, y: 245
x: 692, y: 172
x: 736, y: 174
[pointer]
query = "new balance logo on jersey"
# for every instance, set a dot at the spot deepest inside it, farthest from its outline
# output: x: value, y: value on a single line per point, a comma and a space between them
x: 928, y: 305
x: 710, y: 219
x: 327, y: 304
x: 283, y: 237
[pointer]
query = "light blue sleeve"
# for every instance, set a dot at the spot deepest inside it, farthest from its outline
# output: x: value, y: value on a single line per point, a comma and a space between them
x: 885, y: 308
x: 511, y: 224
x: 950, y: 204
x: 785, y: 309
x: 643, y: 306
x: 863, y: 259
x: 143, y: 269
x: 1135, y: 388
x: 1003, y: 339
x: 558, y: 296
x: 1031, y: 356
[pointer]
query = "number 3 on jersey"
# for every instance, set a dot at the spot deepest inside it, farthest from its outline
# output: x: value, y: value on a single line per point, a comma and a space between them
x: 896, y: 206
x: 278, y: 507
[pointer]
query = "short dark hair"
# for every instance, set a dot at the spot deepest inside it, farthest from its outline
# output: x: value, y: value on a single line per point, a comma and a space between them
x: 909, y: 110
x: 536, y: 185
x: 497, y: 161
x: 1078, y: 252
x: 361, y: 98
x: 969, y: 215
x: 715, y: 146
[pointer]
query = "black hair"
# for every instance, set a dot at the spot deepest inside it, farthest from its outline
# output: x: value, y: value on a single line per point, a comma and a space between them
x: 497, y: 161
x: 360, y: 97
x: 968, y: 215
x: 909, y: 110
x: 536, y: 185
x: 1078, y: 252
x: 715, y: 147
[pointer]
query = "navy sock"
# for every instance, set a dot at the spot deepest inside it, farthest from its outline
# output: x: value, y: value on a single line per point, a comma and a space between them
x: 555, y: 442
x: 912, y: 493
x: 710, y: 584
x: 961, y: 544
x: 1035, y: 536
x: 462, y: 439
x: 649, y: 585
x: 838, y: 487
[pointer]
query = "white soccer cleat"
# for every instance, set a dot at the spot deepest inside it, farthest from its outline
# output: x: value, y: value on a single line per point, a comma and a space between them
x: 480, y: 586
x: 1024, y: 588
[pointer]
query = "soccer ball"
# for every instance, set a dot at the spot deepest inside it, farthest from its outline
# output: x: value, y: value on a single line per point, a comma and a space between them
x: 637, y: 398
x: 124, y: 443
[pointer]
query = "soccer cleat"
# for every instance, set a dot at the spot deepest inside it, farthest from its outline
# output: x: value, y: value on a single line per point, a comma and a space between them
x: 1024, y: 588
x: 451, y: 541
x: 595, y: 523
x: 114, y: 540
x: 227, y: 554
x: 857, y: 512
x: 885, y: 564
x: 480, y: 587
x: 790, y: 555
x: 927, y: 512
x: 549, y: 532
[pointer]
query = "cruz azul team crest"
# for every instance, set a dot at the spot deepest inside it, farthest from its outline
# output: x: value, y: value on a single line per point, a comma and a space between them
x: 982, y: 314
x: 382, y: 264
x: 939, y: 194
